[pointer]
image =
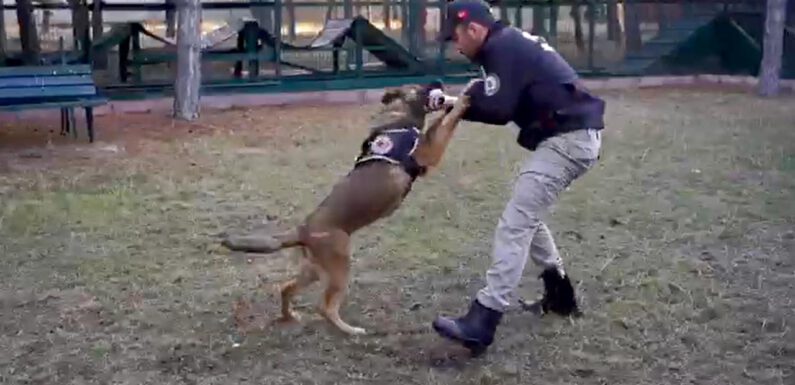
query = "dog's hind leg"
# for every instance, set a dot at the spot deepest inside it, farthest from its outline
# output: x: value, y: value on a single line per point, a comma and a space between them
x: 336, y: 263
x: 306, y: 276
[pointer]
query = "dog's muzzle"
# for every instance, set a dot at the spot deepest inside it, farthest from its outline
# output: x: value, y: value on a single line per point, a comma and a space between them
x: 438, y: 100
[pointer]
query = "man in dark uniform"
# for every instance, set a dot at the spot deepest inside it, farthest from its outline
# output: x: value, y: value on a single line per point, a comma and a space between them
x: 524, y: 81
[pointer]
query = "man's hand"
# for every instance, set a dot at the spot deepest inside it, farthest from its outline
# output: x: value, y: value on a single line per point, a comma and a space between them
x: 438, y: 100
x: 468, y: 87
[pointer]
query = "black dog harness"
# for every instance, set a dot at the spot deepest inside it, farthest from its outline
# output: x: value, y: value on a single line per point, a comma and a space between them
x: 393, y: 145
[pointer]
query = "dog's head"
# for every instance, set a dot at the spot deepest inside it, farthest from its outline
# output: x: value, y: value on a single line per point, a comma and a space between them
x: 409, y: 101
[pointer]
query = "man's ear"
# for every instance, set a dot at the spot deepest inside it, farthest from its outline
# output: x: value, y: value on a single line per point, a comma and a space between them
x: 391, y: 94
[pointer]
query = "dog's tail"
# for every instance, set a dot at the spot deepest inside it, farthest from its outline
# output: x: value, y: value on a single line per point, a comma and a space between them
x: 264, y: 243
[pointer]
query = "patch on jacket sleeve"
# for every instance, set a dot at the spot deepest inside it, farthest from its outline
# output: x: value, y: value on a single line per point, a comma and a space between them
x: 491, y: 84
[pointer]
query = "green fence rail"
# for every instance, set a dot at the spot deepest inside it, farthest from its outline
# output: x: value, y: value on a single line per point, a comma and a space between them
x: 277, y: 45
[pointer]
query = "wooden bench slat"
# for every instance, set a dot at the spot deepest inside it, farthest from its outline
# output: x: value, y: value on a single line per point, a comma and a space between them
x: 45, y: 81
x: 80, y: 69
x: 84, y: 102
x: 7, y: 94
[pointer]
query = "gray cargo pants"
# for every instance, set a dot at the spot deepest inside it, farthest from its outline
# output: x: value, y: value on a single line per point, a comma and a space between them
x: 546, y: 172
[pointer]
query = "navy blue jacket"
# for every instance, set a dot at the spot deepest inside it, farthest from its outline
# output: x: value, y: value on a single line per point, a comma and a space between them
x: 527, y: 82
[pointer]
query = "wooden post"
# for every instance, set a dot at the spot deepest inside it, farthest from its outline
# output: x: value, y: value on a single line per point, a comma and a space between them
x: 29, y: 39
x: 770, y: 69
x: 188, y: 82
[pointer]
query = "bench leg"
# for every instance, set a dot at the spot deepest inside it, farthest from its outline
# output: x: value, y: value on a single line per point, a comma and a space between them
x: 90, y: 123
x: 64, y: 122
x: 72, y: 123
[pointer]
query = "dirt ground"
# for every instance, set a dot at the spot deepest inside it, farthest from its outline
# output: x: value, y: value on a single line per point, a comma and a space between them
x: 681, y: 241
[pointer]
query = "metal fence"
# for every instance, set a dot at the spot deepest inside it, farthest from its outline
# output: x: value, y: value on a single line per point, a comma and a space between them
x: 597, y: 37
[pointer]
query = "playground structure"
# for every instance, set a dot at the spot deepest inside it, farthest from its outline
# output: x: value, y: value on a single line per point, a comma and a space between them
x: 393, y: 44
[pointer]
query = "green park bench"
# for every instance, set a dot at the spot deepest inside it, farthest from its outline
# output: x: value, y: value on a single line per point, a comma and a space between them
x: 58, y: 86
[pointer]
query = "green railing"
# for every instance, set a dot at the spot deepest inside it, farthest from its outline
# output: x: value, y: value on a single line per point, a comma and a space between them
x: 132, y: 43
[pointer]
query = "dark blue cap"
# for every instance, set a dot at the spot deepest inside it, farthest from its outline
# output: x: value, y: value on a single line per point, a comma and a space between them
x: 462, y: 12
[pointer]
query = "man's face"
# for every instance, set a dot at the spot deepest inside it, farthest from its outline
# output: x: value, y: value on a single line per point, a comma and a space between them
x: 468, y: 38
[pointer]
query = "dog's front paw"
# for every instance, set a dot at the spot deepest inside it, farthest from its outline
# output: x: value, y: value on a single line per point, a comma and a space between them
x: 289, y: 319
x: 461, y: 104
x: 464, y: 101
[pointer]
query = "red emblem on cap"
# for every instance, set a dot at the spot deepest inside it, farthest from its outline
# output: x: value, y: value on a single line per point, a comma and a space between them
x: 462, y: 14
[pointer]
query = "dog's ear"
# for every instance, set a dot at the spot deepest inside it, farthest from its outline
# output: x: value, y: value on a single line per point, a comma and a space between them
x: 391, y: 94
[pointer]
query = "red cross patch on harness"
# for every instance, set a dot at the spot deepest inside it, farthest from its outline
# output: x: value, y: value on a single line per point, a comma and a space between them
x: 381, y: 145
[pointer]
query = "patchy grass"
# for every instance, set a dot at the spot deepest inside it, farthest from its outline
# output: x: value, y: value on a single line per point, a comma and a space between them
x: 681, y: 241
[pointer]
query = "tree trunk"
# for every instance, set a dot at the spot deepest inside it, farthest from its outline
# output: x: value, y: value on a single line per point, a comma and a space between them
x: 613, y: 26
x: 539, y: 20
x: 264, y: 17
x: 29, y: 38
x: 770, y: 69
x: 99, y: 58
x: 290, y: 4
x: 171, y: 21
x: 45, y: 22
x: 188, y: 82
x: 2, y: 37
x: 80, y: 26
x: 576, y: 15
x: 632, y: 22
x: 387, y: 15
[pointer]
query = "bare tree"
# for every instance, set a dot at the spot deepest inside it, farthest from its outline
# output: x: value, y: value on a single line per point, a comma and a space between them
x: 576, y: 15
x: 171, y: 21
x: 264, y: 16
x: 2, y: 37
x: 188, y: 82
x: 770, y: 69
x: 29, y: 38
x: 539, y: 20
x: 632, y: 31
x: 99, y: 56
x: 613, y: 26
x: 80, y: 25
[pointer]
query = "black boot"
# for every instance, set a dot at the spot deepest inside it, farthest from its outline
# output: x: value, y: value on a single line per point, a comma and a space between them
x: 475, y: 330
x: 558, y: 295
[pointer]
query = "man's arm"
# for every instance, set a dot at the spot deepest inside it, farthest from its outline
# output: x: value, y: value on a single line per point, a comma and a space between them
x: 494, y: 99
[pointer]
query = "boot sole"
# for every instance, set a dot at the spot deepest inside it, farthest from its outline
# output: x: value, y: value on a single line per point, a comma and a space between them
x: 475, y: 347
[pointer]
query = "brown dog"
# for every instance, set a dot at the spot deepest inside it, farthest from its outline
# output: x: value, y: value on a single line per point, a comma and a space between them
x: 392, y: 157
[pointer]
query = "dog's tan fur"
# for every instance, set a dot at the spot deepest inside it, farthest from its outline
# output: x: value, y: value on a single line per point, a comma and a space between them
x: 369, y: 192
